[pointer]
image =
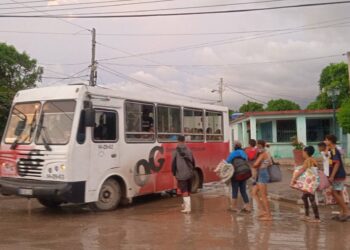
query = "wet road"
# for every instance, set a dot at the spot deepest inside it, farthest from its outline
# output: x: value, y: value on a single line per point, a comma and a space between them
x: 156, y: 223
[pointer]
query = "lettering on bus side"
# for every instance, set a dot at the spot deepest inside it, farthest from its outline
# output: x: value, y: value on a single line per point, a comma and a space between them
x: 105, y: 146
x: 148, y: 166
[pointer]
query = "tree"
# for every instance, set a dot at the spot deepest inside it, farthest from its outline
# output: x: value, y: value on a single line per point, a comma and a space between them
x: 251, y: 107
x: 17, y: 71
x: 334, y: 75
x: 343, y: 116
x: 281, y: 104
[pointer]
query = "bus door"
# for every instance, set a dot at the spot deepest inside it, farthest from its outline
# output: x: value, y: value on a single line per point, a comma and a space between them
x: 104, y: 155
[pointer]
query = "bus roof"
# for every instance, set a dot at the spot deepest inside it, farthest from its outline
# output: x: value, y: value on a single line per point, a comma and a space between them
x: 74, y: 91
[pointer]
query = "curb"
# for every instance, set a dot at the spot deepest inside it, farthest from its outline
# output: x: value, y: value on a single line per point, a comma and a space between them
x: 278, y: 197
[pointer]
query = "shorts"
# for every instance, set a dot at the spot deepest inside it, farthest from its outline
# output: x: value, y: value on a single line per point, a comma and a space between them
x: 263, y: 176
x: 338, y: 185
x: 185, y: 186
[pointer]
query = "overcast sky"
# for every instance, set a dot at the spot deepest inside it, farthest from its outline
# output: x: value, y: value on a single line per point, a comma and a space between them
x: 241, y: 59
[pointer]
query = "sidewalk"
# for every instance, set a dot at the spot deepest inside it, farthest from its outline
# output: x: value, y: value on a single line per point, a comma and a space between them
x: 281, y: 191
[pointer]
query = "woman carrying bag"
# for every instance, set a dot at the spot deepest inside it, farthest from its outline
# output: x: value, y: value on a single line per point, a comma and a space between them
x: 242, y: 172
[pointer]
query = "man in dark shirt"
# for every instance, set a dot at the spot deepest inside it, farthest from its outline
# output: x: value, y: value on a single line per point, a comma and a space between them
x: 337, y: 177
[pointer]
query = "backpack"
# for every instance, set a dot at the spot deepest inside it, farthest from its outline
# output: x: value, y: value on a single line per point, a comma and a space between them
x: 242, y: 169
x: 252, y: 153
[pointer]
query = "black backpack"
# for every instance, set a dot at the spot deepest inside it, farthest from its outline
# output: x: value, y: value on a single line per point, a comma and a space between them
x: 242, y: 169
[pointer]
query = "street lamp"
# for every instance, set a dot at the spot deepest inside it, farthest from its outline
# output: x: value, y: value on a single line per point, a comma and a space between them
x: 333, y: 94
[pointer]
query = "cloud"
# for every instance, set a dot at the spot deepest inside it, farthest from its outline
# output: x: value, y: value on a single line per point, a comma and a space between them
x: 297, y: 81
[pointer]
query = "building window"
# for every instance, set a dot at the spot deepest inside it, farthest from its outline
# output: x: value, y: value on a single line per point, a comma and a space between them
x: 169, y: 123
x: 285, y: 130
x: 214, y: 126
x: 139, y: 124
x: 265, y: 131
x: 106, y: 126
x: 193, y: 124
x: 317, y: 129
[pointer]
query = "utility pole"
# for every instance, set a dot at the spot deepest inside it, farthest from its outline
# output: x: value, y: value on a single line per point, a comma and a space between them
x: 221, y: 91
x: 93, y: 66
x: 349, y: 68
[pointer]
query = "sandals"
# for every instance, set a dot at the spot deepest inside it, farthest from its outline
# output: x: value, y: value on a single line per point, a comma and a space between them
x: 266, y: 218
x: 235, y: 210
x: 246, y: 210
x: 343, y: 218
x: 314, y: 220
x: 305, y: 218
x: 335, y: 217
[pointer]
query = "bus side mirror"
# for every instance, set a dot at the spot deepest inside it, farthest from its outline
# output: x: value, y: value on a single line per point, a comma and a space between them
x: 20, y: 127
x: 89, y: 117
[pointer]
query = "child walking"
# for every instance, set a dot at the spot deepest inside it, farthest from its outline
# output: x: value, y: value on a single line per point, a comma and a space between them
x: 308, y: 197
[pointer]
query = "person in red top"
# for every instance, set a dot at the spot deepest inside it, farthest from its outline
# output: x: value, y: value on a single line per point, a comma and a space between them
x: 252, y: 150
x: 337, y: 177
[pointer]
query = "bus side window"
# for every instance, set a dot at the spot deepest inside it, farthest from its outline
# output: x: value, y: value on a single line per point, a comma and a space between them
x: 106, y: 127
x: 214, y: 126
x: 139, y: 122
x: 193, y: 124
x: 81, y: 135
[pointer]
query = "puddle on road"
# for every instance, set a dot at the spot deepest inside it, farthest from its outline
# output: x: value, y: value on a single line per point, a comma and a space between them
x: 155, y: 222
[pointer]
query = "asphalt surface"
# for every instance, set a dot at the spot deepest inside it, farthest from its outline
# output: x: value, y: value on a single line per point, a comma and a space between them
x: 155, y: 222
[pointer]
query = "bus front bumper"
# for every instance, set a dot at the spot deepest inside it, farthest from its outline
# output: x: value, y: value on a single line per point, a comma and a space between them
x: 65, y: 191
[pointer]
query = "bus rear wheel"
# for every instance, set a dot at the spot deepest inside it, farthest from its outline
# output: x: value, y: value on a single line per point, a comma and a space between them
x: 50, y: 202
x: 109, y: 197
x: 196, y: 182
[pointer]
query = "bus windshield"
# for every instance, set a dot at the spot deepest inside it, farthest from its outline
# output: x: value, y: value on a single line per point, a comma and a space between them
x: 56, y: 122
x: 23, y: 120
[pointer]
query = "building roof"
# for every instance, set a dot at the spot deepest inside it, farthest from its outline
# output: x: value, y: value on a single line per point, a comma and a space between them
x: 284, y: 113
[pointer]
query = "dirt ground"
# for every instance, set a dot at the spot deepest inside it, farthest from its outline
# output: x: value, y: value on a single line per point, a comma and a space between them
x: 155, y: 223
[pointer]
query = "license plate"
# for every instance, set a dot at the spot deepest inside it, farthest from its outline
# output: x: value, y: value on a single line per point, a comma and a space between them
x: 25, y: 191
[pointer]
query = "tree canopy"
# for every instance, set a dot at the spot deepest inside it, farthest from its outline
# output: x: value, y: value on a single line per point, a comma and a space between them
x: 251, y: 107
x: 333, y: 76
x: 343, y: 116
x: 281, y: 105
x: 17, y: 71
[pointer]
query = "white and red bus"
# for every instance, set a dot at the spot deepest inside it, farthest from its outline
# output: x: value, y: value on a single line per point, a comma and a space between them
x: 82, y: 144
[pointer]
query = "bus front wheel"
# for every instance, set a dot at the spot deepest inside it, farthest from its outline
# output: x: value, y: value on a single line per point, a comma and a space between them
x: 50, y: 203
x: 109, y: 197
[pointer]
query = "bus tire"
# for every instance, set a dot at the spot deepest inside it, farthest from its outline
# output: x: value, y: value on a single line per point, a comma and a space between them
x: 109, y: 197
x: 50, y: 202
x: 196, y: 181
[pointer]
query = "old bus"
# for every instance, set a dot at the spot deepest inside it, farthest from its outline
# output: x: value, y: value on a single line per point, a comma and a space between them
x: 83, y: 144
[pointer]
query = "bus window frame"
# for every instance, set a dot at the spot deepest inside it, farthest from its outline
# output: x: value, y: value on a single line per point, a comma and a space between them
x: 116, y: 127
x: 163, y: 133
x: 192, y: 134
x: 222, y: 126
x: 140, y: 133
x: 3, y: 139
x: 73, y: 119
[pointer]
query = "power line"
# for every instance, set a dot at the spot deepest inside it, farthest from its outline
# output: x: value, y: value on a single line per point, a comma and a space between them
x: 147, y: 10
x: 71, y: 23
x: 248, y: 96
x: 88, y: 7
x: 226, y: 65
x: 88, y: 16
x: 339, y: 25
x: 64, y: 78
x: 71, y: 76
x: 220, y: 42
x: 38, y: 1
x: 87, y: 3
x: 126, y: 77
